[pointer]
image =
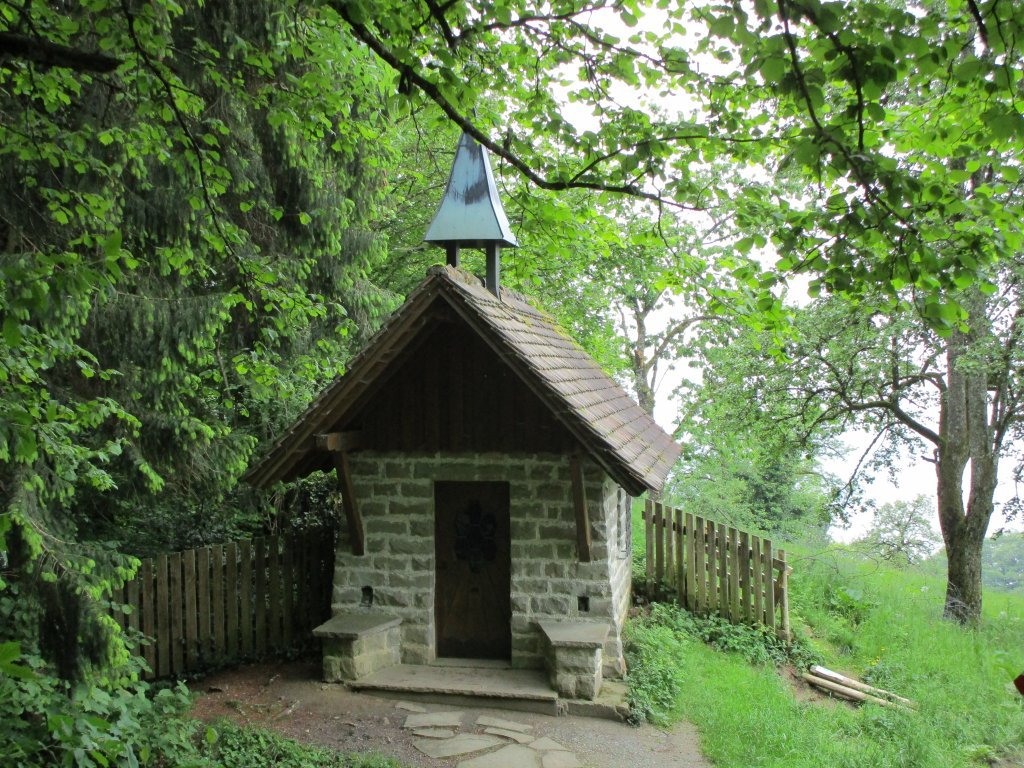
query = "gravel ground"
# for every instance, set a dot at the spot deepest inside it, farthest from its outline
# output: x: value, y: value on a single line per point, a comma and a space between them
x: 290, y: 699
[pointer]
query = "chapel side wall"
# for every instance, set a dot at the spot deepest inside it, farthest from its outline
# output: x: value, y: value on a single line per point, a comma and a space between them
x: 395, y: 493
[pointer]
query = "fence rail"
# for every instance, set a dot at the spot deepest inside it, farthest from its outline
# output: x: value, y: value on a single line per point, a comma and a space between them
x: 243, y: 599
x: 709, y: 567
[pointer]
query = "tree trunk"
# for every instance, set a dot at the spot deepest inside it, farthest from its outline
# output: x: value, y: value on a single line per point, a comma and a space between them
x: 966, y: 439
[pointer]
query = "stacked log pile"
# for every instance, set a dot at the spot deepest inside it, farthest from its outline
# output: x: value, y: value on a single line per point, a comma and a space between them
x: 847, y: 688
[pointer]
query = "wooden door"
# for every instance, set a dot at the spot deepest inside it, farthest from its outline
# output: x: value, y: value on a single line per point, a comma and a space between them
x: 472, y: 601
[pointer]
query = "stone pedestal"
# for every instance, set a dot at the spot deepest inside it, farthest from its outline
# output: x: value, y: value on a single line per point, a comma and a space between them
x: 358, y: 644
x: 574, y: 656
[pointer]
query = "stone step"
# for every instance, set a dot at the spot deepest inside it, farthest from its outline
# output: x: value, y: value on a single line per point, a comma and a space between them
x: 524, y: 690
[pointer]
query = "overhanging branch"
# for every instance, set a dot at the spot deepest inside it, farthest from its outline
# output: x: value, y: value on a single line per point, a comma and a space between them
x: 49, y: 54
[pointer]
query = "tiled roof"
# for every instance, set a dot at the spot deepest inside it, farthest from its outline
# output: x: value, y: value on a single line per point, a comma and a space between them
x: 616, y: 432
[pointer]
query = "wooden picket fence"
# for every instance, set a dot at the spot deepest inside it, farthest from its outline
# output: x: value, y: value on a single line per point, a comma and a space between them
x: 244, y: 599
x: 710, y: 567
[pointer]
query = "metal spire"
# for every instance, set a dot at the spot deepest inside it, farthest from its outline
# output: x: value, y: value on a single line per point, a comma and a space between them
x: 471, y: 214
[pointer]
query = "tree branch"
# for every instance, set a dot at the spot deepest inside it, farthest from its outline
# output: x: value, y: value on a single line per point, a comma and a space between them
x: 433, y: 92
x: 49, y: 54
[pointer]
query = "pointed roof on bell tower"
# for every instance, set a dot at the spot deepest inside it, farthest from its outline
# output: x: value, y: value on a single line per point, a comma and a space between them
x: 471, y: 214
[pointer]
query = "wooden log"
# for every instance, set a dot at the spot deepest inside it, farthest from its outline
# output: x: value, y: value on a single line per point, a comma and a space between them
x: 149, y: 615
x: 649, y: 544
x: 849, y: 682
x: 174, y: 584
x: 231, y: 599
x: 734, y: 577
x: 205, y: 640
x: 845, y: 691
x: 163, y: 617
x: 218, y: 620
x: 188, y: 564
x: 691, y: 563
x: 700, y: 564
x: 245, y: 597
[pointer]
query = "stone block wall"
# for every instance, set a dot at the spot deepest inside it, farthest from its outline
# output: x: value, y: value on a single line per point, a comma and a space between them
x: 395, y: 493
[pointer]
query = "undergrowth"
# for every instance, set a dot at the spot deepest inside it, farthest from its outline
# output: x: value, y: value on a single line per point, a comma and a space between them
x: 237, y: 747
x: 861, y: 618
x: 104, y: 722
x: 656, y: 649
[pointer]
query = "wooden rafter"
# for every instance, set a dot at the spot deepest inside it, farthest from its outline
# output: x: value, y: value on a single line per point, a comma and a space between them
x: 349, y: 503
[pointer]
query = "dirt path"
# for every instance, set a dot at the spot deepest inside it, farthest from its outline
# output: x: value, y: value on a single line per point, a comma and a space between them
x: 290, y: 699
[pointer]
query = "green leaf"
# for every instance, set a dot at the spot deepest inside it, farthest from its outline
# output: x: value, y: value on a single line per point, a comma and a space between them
x: 112, y: 244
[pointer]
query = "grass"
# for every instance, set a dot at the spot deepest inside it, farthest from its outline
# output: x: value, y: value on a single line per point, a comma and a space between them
x: 878, y: 623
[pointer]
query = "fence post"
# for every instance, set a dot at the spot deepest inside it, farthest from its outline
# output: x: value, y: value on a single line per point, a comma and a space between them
x: 649, y: 545
x: 691, y: 563
x: 245, y: 596
x: 218, y: 620
x: 784, y: 596
x: 163, y: 618
x: 734, y: 577
x: 680, y: 559
x: 148, y: 615
x: 757, y: 582
x: 188, y: 561
x: 206, y: 645
x: 769, y: 585
x: 700, y: 567
x: 712, y: 565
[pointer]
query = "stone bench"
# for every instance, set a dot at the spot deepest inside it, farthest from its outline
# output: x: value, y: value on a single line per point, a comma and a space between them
x: 357, y: 644
x: 574, y: 656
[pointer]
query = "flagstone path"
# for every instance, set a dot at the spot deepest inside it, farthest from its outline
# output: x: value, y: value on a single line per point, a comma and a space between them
x: 290, y: 699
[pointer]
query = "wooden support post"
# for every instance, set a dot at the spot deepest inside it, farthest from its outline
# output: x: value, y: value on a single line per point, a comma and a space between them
x: 784, y: 597
x: 351, y: 506
x: 579, y: 502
